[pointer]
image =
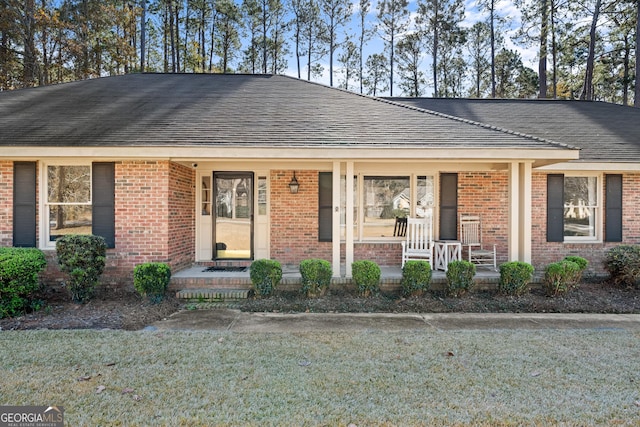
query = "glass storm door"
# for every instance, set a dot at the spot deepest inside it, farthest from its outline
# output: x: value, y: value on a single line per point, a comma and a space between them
x: 233, y: 223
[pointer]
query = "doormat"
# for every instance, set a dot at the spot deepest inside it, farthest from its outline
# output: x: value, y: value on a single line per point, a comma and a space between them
x: 229, y: 269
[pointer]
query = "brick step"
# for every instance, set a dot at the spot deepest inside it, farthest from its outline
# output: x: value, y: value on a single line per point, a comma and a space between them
x: 178, y: 283
x: 217, y: 295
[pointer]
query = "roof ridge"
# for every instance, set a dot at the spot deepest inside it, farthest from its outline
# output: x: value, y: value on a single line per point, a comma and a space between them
x: 436, y: 113
x: 479, y: 124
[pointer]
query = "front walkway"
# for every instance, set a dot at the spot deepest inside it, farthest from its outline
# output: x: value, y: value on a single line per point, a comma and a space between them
x: 196, y: 277
x: 226, y: 320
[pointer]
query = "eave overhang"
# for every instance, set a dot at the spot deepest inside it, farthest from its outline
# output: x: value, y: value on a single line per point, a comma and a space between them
x: 539, y: 157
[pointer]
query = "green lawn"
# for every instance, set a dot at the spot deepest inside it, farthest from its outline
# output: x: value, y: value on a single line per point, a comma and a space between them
x: 486, y: 378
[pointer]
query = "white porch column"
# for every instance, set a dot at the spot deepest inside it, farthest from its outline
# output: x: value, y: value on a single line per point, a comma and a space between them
x: 514, y: 212
x: 520, y: 182
x: 349, y: 218
x: 525, y: 212
x: 335, y: 232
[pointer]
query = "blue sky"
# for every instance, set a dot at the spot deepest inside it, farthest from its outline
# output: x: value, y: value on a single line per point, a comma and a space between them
x: 504, y: 8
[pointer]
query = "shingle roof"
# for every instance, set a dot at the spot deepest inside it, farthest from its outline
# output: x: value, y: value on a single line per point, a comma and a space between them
x: 244, y: 110
x: 604, y: 132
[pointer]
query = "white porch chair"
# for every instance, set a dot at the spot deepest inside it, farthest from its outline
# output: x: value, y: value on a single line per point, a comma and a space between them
x: 471, y: 238
x: 419, y: 240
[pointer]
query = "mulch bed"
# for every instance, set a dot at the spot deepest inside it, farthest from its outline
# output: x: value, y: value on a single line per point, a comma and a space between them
x: 124, y: 309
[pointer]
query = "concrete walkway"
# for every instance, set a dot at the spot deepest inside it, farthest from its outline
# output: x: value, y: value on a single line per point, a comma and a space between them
x: 222, y: 319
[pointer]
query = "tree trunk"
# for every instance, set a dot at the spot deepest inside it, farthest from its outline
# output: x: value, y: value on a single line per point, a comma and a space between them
x: 493, y: 53
x: 434, y: 53
x: 625, y: 74
x: 44, y: 75
x: 554, y: 50
x: 177, y: 26
x: 542, y: 63
x: 264, y: 36
x: 143, y: 36
x: 213, y: 33
x: 587, y: 88
x: 391, y: 64
x: 172, y: 37
x: 435, y: 63
x: 332, y: 36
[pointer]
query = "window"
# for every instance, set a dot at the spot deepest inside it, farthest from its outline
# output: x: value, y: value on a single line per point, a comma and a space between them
x: 580, y: 207
x: 574, y: 213
x: 343, y: 207
x: 78, y: 199
x: 68, y: 207
x: 206, y: 195
x: 424, y: 201
x: 262, y: 195
x: 377, y: 201
x: 384, y: 199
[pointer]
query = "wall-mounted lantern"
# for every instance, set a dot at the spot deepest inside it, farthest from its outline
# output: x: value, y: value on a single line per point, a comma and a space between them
x: 293, y: 185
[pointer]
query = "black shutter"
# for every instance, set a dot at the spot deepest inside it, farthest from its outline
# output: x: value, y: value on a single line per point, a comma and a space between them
x: 325, y: 206
x: 555, y: 208
x: 24, y: 204
x: 613, y: 207
x: 103, y: 192
x: 448, y: 206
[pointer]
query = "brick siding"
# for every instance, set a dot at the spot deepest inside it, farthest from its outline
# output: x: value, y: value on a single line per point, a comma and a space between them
x: 294, y: 218
x: 487, y: 194
x: 155, y: 220
x: 6, y: 203
x: 544, y: 253
x: 386, y: 254
x: 182, y: 221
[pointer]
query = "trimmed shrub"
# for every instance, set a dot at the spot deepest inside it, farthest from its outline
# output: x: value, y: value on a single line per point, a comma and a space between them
x: 316, y: 276
x: 559, y: 277
x: 83, y: 258
x: 416, y: 277
x: 623, y: 264
x: 460, y: 277
x: 582, y: 266
x: 265, y: 276
x: 19, y: 269
x: 151, y: 280
x: 366, y: 276
x: 515, y: 277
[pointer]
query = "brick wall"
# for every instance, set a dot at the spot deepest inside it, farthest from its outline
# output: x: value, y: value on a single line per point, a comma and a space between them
x: 386, y: 254
x: 294, y: 218
x: 6, y: 203
x: 544, y: 253
x: 487, y: 194
x: 155, y: 220
x: 142, y: 204
x: 182, y: 221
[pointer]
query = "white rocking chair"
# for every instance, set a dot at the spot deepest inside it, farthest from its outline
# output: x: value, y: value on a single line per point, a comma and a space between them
x: 471, y: 238
x: 419, y: 240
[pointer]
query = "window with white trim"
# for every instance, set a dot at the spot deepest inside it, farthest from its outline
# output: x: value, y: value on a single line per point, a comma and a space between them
x: 380, y: 199
x: 67, y: 206
x: 581, y: 208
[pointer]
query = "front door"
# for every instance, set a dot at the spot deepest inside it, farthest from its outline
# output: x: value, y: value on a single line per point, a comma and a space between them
x: 233, y: 215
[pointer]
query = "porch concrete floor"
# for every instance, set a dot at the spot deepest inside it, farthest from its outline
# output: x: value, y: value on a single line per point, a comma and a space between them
x: 293, y: 272
x: 196, y: 277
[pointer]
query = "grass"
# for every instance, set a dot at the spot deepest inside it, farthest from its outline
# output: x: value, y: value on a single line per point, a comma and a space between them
x: 479, y: 378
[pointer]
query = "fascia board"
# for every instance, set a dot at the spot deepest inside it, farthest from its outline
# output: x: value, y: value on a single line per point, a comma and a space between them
x: 329, y: 152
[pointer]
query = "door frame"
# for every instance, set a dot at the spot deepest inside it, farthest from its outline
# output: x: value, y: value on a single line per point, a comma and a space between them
x: 250, y: 204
